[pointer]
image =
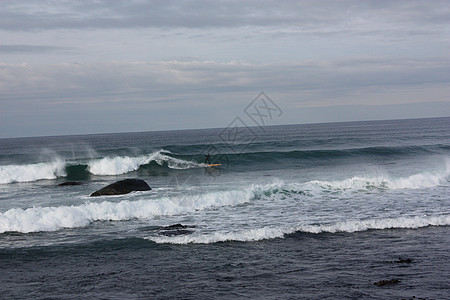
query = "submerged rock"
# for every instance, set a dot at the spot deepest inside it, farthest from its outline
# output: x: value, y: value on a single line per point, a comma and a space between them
x: 176, y: 229
x: 386, y: 282
x: 403, y: 261
x: 176, y: 226
x: 122, y: 187
x: 68, y: 183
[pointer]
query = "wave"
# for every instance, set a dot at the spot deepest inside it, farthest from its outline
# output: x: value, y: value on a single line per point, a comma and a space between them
x: 37, y: 219
x: 258, y: 234
x: 32, y: 172
x: 118, y: 165
x: 382, y: 151
x: 124, y: 164
x: 377, y: 224
x: 354, y: 184
x: 115, y: 165
x: 415, y: 181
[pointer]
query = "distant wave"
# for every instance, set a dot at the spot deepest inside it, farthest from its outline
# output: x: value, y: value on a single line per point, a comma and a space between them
x: 118, y: 165
x: 265, y: 233
x: 32, y: 172
x: 347, y: 152
x: 114, y: 165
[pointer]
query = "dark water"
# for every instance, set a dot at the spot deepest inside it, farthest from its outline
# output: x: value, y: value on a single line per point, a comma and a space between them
x: 294, y: 212
x: 300, y: 266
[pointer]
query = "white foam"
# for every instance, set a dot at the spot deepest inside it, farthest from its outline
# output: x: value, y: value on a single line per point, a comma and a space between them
x: 265, y: 233
x: 117, y: 165
x: 55, y: 218
x: 221, y: 236
x: 415, y: 181
x: 385, y: 223
x: 124, y: 164
x: 32, y: 172
x: 356, y: 183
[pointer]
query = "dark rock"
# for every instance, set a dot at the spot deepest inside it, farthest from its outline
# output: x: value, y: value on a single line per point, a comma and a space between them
x: 122, y: 187
x: 403, y: 261
x: 176, y: 226
x: 68, y: 183
x: 386, y: 282
x: 176, y: 232
x: 176, y: 229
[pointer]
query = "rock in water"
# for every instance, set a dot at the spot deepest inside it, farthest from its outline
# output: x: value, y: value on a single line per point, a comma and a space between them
x: 122, y: 187
x: 404, y: 261
x: 177, y: 229
x: 385, y: 282
x: 68, y: 183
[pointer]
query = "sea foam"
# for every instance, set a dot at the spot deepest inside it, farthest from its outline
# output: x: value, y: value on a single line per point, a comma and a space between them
x: 248, y: 235
x: 378, y: 224
x: 415, y: 181
x: 257, y: 234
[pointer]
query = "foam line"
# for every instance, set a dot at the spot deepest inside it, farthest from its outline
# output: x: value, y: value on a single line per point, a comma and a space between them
x: 265, y: 233
x: 415, y: 181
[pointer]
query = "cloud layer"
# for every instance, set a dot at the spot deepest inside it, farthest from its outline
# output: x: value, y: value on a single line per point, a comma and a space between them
x: 178, y: 59
x: 28, y: 15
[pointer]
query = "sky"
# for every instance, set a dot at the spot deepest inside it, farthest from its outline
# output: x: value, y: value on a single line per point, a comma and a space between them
x: 80, y: 67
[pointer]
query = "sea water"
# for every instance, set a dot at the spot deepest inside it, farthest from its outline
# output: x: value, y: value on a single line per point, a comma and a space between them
x: 297, y: 211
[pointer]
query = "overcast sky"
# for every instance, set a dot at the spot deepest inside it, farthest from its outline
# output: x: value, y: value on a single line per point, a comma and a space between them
x: 75, y: 67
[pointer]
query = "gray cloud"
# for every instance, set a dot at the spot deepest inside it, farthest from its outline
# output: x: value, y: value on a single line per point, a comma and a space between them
x: 307, y: 15
x: 156, y: 81
x: 11, y: 49
x: 123, y: 96
x: 119, y: 63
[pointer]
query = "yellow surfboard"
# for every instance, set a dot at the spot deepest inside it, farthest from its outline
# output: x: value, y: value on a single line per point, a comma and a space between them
x: 214, y: 165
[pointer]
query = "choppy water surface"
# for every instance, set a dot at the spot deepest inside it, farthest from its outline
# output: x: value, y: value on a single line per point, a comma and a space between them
x: 302, y: 210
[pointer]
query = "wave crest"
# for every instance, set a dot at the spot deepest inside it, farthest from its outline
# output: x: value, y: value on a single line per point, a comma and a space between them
x: 38, y: 219
x: 415, y: 181
x: 32, y: 172
x: 124, y: 164
x: 258, y: 234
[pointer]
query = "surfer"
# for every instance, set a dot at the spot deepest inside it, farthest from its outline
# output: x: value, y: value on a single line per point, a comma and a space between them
x: 208, y: 159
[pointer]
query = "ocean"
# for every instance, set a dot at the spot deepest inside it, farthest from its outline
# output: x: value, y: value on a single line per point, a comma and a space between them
x: 354, y: 210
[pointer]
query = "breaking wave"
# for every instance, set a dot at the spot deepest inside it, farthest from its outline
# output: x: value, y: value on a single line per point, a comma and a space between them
x: 357, y: 183
x: 38, y: 219
x: 415, y: 181
x: 124, y: 164
x: 115, y: 165
x: 249, y: 235
x: 32, y: 172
